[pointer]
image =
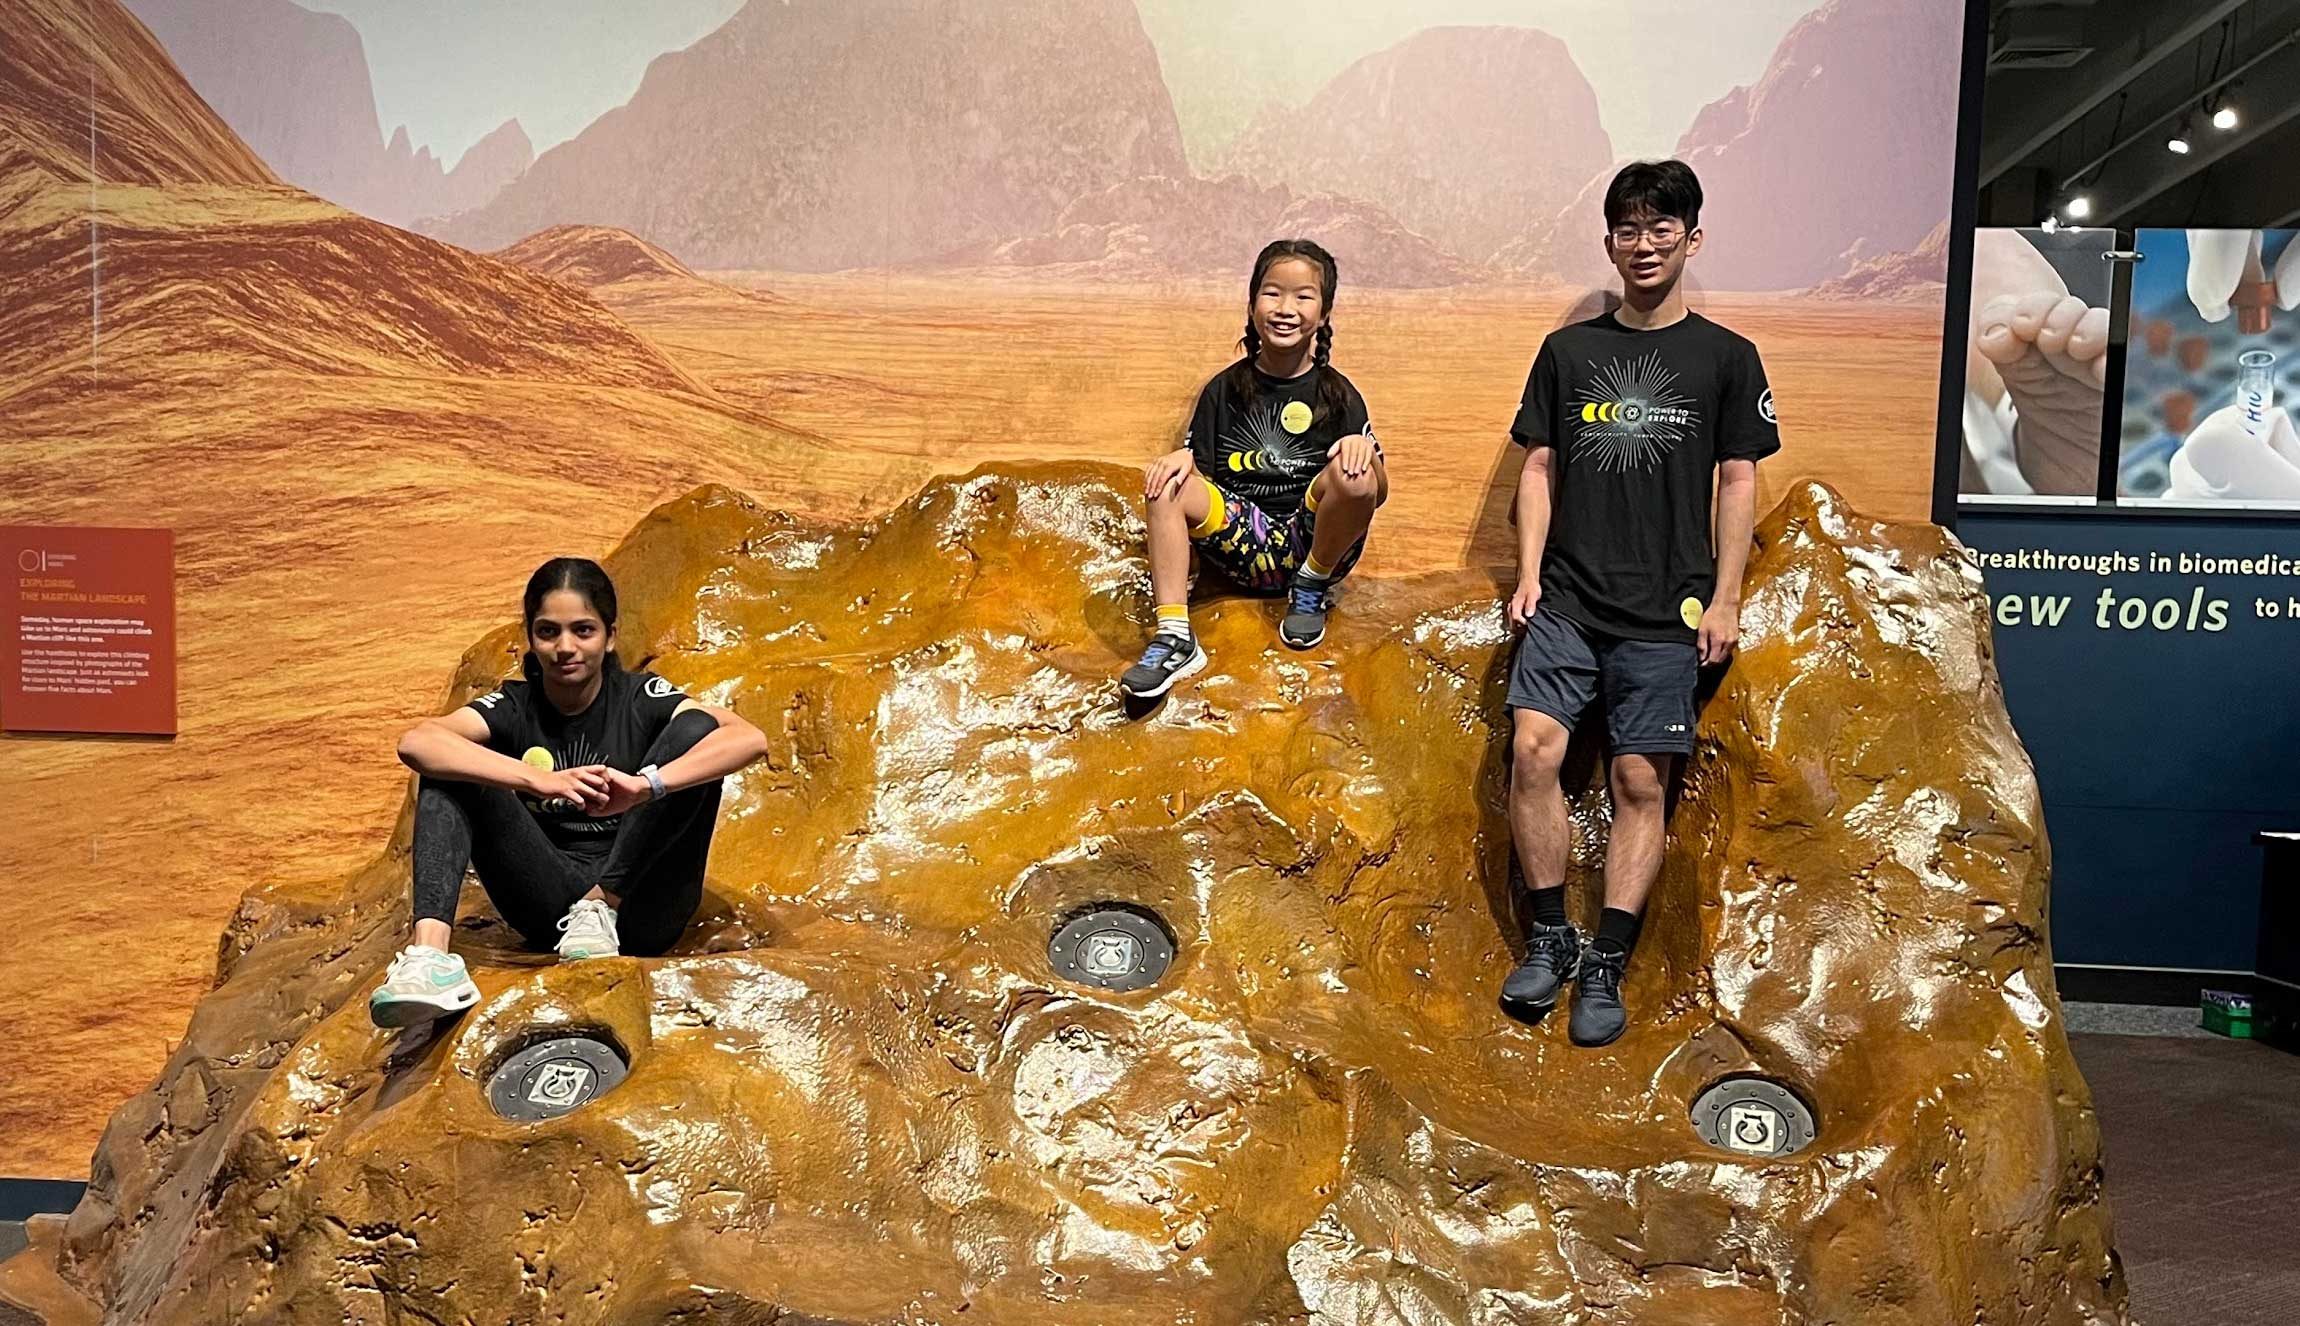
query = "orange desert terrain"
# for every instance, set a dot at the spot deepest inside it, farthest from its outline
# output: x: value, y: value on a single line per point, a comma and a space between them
x: 365, y: 439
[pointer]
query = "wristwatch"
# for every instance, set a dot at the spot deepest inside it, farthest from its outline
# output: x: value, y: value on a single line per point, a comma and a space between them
x: 654, y: 777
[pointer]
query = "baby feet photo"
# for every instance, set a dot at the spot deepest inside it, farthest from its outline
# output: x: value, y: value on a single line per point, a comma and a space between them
x: 2037, y: 365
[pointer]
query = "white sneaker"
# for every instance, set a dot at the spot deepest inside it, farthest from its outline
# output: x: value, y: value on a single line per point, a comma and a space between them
x: 422, y: 984
x: 588, y: 931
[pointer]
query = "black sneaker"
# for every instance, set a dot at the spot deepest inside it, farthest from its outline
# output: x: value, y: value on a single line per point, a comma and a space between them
x: 1598, y: 1017
x: 1169, y: 659
x: 1307, y: 604
x: 1552, y: 952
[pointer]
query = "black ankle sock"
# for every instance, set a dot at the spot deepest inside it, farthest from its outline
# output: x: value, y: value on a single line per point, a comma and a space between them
x: 1549, y: 904
x: 1618, y: 929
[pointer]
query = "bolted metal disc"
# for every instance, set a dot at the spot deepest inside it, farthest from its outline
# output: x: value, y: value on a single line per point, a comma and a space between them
x: 1755, y: 1116
x: 1113, y: 947
x: 554, y: 1077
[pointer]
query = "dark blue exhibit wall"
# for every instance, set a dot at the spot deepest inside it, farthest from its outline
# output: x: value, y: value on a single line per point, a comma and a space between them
x: 2152, y: 666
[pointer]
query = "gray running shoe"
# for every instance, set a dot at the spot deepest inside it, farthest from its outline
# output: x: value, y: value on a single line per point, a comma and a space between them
x: 1598, y: 1015
x: 1552, y: 955
x: 1307, y: 604
x: 1168, y: 659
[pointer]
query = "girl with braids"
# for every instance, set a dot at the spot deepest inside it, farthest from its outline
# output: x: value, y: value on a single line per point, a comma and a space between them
x: 583, y: 794
x: 1278, y: 478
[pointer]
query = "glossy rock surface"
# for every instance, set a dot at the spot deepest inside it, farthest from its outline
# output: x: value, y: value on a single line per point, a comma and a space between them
x: 858, y: 1094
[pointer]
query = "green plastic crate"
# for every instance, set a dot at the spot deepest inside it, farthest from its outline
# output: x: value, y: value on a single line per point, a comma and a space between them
x: 2228, y: 1013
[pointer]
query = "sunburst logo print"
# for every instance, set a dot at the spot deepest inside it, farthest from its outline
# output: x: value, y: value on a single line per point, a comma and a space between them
x: 1261, y: 444
x: 1632, y: 415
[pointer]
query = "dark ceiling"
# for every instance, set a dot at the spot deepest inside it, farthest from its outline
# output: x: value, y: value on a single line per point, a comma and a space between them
x: 2082, y: 95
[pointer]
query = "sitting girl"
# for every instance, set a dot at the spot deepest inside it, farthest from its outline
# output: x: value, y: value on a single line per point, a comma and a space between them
x: 584, y: 795
x: 1277, y: 480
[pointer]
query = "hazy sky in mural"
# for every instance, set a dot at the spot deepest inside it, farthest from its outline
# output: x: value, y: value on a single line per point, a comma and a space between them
x: 1653, y: 63
x: 450, y: 70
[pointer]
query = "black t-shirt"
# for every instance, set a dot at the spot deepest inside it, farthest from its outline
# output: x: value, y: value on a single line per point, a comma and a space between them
x: 621, y: 723
x: 1269, y: 450
x: 1639, y: 421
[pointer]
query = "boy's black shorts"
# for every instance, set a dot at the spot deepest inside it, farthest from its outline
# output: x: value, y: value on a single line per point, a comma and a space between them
x: 1648, y: 684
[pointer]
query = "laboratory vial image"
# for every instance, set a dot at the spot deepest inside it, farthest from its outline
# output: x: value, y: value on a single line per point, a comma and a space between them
x: 2256, y: 390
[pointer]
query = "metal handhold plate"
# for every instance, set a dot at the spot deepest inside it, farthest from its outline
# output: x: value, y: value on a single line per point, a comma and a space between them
x: 1113, y: 947
x: 555, y: 1077
x: 1754, y: 1116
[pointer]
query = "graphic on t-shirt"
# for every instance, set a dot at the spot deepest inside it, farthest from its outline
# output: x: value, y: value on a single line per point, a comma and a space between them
x: 579, y: 752
x: 1631, y: 415
x: 1262, y: 444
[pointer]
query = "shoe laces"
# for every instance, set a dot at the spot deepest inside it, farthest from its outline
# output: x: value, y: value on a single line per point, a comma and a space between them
x: 1601, y: 971
x: 412, y: 959
x: 589, y: 909
x: 1161, y: 645
x: 1556, y: 942
x: 1308, y: 598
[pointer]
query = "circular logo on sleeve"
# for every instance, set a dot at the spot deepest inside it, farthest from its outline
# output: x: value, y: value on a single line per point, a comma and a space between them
x: 1765, y: 406
x: 1690, y: 613
x: 539, y: 758
x: 659, y: 687
x: 1296, y: 417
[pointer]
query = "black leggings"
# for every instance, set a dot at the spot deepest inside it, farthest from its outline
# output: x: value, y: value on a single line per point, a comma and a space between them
x: 655, y: 866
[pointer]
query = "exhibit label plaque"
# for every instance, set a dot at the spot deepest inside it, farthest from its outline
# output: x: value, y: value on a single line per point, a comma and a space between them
x: 88, y: 630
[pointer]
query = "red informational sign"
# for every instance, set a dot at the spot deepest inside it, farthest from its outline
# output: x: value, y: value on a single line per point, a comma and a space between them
x: 88, y: 630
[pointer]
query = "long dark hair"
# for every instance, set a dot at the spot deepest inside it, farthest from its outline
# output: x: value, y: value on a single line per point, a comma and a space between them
x: 1333, y: 400
x: 579, y: 575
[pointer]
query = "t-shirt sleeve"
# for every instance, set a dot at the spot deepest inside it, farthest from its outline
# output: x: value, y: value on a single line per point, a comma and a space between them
x: 656, y: 701
x: 1536, y: 422
x: 1356, y: 418
x: 1747, y: 431
x: 1198, y: 435
x: 501, y: 710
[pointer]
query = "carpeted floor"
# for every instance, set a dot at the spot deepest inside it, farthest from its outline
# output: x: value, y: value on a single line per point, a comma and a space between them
x: 2203, y: 1174
x: 2203, y: 1167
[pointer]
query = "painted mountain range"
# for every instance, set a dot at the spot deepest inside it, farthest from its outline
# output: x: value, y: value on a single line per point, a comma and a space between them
x: 1837, y: 154
x: 817, y: 135
x: 1163, y: 226
x: 294, y: 85
x: 1464, y: 134
x: 820, y: 135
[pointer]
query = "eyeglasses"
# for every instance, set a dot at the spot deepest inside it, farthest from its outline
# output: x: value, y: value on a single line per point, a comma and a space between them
x: 1665, y: 235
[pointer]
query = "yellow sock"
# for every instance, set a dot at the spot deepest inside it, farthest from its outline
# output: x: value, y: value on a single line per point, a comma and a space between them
x: 1316, y: 570
x: 1174, y: 618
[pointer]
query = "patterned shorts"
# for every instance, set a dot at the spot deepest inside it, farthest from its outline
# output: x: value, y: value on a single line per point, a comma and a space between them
x: 1259, y: 552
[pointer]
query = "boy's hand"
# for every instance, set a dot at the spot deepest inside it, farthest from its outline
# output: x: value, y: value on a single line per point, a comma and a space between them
x: 1524, y: 601
x: 1167, y: 473
x: 1356, y: 454
x: 1720, y: 632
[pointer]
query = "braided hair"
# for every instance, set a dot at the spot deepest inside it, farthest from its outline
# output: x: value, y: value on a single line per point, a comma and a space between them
x: 1333, y: 397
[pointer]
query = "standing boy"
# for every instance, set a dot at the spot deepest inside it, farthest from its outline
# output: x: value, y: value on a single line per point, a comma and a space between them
x: 1622, y: 591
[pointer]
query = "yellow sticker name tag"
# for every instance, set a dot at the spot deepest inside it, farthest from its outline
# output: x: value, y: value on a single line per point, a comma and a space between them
x: 1690, y: 612
x: 1296, y: 418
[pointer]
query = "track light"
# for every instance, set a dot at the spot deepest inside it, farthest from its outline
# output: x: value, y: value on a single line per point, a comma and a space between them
x: 2078, y: 207
x: 2178, y: 144
x: 2224, y: 119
